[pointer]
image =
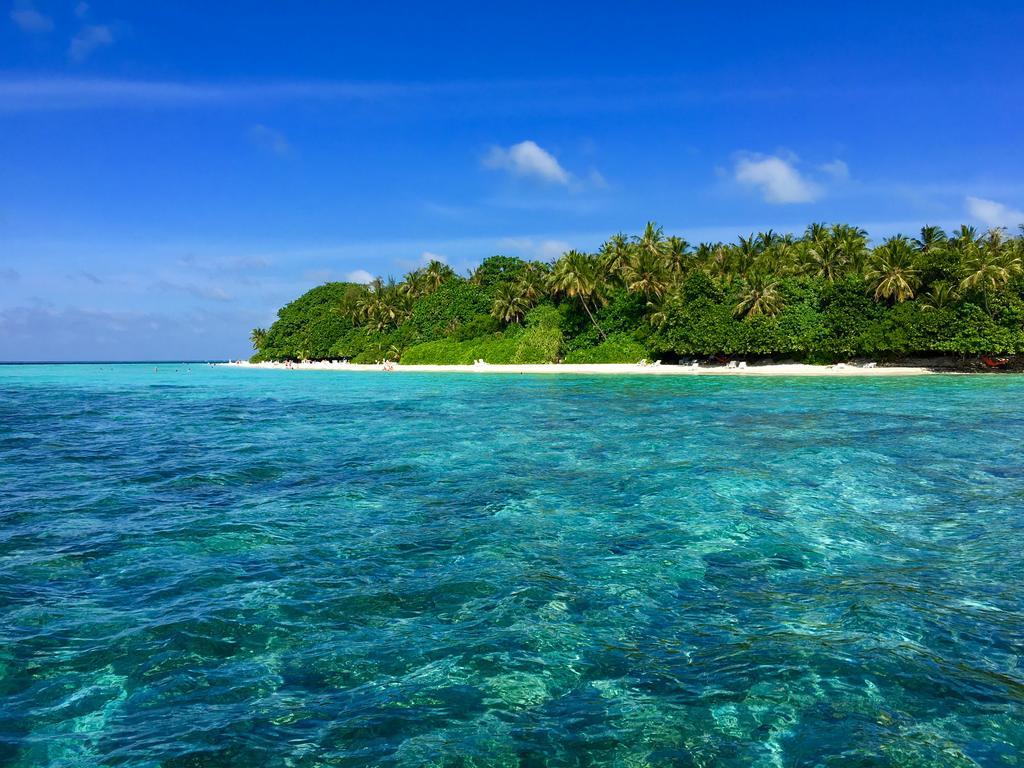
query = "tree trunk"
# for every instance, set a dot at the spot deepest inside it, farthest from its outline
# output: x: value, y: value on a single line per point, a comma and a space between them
x: 584, y: 303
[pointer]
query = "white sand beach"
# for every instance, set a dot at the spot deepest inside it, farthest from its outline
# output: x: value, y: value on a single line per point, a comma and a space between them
x: 632, y: 369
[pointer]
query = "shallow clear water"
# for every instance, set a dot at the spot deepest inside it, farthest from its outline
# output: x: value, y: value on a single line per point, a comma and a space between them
x: 210, y: 567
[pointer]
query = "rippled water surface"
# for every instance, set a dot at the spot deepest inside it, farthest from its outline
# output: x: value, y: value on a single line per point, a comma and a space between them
x: 210, y: 567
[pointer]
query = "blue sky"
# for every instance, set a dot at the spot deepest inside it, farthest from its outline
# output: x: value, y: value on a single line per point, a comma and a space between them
x: 171, y: 173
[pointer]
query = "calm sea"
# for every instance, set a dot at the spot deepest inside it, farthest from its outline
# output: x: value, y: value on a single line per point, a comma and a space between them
x: 211, y: 567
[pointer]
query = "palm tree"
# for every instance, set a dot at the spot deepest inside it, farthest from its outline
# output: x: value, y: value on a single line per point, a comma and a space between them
x: 393, y: 309
x: 716, y: 260
x: 509, y: 303
x: 575, y: 276
x: 363, y: 307
x: 415, y: 284
x: 645, y: 274
x: 965, y: 243
x: 966, y: 234
x: 258, y: 337
x: 825, y: 258
x: 616, y: 253
x: 384, y: 305
x: 675, y: 255
x: 783, y: 257
x: 940, y: 296
x: 652, y: 241
x: 828, y: 252
x: 532, y: 282
x: 760, y: 296
x: 435, y: 273
x: 891, y: 271
x: 852, y: 242
x: 816, y: 233
x: 746, y: 253
x: 766, y: 240
x: 931, y: 238
x: 990, y: 267
x: 657, y: 315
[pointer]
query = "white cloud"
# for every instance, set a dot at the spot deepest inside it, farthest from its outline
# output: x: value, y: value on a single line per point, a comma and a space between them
x: 29, y: 19
x: 777, y: 179
x: 993, y: 214
x: 88, y: 40
x: 528, y: 159
x: 533, y: 249
x: 359, y: 276
x: 837, y: 169
x: 428, y: 256
x: 270, y: 140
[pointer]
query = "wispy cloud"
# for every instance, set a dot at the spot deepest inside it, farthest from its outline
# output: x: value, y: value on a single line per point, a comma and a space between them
x: 543, y: 96
x: 235, y: 267
x: 837, y: 169
x: 269, y: 140
x: 90, y: 38
x: 208, y: 292
x: 527, y: 159
x: 445, y: 210
x: 28, y: 19
x: 235, y: 264
x: 86, y: 275
x: 597, y: 180
x: 992, y: 213
x: 62, y: 93
x: 776, y: 178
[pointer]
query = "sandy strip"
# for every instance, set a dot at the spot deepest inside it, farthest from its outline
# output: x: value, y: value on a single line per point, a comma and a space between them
x: 793, y: 369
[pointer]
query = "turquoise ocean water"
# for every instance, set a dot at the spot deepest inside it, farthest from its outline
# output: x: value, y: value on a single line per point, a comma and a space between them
x: 210, y: 567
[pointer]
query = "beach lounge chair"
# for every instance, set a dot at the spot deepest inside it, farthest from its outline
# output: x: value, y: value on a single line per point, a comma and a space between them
x: 742, y: 364
x: 731, y: 364
x: 870, y: 365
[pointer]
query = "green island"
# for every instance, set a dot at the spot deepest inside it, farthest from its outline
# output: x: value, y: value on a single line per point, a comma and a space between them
x: 825, y: 296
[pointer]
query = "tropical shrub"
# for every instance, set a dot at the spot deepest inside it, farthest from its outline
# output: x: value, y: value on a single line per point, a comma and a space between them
x: 618, y: 348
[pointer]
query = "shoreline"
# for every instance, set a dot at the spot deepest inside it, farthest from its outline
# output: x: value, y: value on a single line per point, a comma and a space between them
x: 605, y: 369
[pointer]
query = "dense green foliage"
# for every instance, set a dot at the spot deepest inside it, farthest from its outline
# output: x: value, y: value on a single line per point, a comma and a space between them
x: 619, y: 348
x: 309, y: 326
x: 825, y: 295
